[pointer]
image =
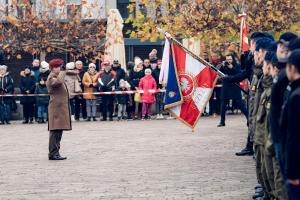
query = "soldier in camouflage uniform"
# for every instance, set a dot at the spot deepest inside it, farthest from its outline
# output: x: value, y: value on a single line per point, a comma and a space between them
x: 272, y: 164
x: 257, y: 87
x: 270, y: 170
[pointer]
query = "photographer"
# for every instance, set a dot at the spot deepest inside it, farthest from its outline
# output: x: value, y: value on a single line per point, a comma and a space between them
x: 59, y: 109
x: 230, y: 90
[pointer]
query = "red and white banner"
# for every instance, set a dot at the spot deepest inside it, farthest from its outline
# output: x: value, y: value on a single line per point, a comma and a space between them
x: 196, y: 81
x: 244, y: 40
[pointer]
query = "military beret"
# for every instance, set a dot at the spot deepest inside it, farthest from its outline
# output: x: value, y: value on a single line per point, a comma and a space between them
x: 263, y: 43
x: 295, y: 44
x: 294, y: 58
x: 287, y: 37
x: 55, y: 63
x: 269, y: 56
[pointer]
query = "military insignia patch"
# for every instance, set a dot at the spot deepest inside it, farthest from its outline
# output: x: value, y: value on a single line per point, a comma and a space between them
x: 172, y: 94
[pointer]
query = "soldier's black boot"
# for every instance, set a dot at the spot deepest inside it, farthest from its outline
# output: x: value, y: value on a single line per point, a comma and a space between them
x: 247, y: 151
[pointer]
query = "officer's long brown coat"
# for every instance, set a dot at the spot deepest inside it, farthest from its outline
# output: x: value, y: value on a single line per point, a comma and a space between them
x: 58, y: 110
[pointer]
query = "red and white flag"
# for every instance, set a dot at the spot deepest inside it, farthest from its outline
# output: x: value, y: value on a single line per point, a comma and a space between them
x: 244, y: 40
x: 196, y: 82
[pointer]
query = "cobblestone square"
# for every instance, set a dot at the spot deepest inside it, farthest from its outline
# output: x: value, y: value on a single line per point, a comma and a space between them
x: 157, y: 159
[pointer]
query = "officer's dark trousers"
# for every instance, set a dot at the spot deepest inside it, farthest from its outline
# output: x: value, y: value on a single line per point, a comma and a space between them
x: 54, y: 142
x: 240, y: 104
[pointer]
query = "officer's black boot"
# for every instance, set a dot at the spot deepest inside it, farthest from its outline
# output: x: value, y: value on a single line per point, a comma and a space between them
x: 248, y: 150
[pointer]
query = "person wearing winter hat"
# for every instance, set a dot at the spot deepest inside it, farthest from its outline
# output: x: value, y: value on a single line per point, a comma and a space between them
x: 27, y: 86
x: 44, y: 71
x: 58, y: 109
x: 6, y: 87
x: 80, y: 103
x: 147, y: 83
x: 72, y: 81
x: 89, y: 82
x: 134, y: 78
x: 106, y: 82
x: 120, y: 73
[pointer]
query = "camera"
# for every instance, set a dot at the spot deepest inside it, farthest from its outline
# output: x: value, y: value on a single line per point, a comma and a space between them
x: 226, y: 63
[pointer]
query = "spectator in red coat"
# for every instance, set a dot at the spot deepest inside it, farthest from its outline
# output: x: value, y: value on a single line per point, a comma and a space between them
x: 147, y: 83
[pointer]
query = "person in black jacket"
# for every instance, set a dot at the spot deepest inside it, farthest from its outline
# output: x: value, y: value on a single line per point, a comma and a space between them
x: 120, y: 73
x: 2, y: 62
x: 106, y: 81
x: 6, y: 87
x: 27, y: 86
x: 80, y: 102
x: 42, y: 101
x: 230, y: 90
x: 278, y: 90
x: 290, y: 128
x: 135, y: 76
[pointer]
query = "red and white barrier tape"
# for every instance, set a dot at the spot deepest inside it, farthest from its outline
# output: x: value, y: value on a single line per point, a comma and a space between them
x: 80, y: 94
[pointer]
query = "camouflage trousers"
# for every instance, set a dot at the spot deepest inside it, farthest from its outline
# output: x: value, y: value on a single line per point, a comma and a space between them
x: 269, y: 174
x: 273, y: 172
x: 251, y: 116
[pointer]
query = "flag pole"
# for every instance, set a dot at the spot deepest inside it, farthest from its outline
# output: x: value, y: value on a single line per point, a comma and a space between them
x: 221, y: 74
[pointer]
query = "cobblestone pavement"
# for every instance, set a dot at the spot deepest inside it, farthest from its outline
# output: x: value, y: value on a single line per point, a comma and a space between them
x: 128, y: 160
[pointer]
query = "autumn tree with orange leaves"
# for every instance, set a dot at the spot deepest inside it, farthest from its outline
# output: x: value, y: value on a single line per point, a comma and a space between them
x: 212, y: 21
x: 49, y: 28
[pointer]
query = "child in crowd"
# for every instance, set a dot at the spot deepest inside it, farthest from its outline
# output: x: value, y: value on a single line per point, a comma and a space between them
x: 42, y: 101
x: 147, y: 83
x: 122, y: 99
x: 89, y: 82
x: 6, y: 87
x: 27, y: 86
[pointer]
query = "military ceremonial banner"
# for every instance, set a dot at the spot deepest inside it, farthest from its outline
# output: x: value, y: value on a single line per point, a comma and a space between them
x: 189, y: 85
x: 244, y: 40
